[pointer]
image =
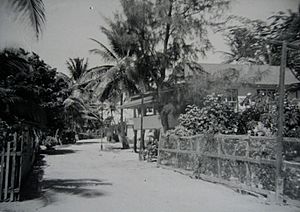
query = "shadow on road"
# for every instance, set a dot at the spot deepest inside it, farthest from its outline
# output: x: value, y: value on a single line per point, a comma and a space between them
x: 57, y: 151
x: 34, y: 186
x: 75, y: 186
x: 86, y: 143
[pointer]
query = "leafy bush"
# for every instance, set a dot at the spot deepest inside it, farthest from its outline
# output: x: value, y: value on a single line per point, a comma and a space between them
x: 68, y: 137
x: 180, y: 131
x: 216, y: 116
x: 262, y: 117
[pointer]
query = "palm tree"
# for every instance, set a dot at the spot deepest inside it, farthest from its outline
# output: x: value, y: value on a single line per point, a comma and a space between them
x: 80, y: 111
x: 117, y: 80
x: 121, y: 77
x: 77, y: 67
x: 32, y: 10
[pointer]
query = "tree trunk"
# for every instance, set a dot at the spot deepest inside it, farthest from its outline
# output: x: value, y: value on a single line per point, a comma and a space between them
x: 125, y: 144
x: 135, y: 134
x: 135, y: 141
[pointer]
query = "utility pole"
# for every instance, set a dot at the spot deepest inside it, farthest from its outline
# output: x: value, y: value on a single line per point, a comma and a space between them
x: 280, y: 124
x: 279, y: 146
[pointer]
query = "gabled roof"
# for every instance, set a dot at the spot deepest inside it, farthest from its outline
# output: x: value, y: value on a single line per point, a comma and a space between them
x: 269, y: 74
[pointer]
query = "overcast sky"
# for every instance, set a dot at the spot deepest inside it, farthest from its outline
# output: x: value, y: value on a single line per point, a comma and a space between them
x: 70, y: 24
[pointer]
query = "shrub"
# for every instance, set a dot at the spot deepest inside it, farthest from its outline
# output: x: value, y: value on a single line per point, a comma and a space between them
x: 216, y: 116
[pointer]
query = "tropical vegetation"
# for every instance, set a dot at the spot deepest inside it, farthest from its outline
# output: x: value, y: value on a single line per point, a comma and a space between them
x: 252, y: 41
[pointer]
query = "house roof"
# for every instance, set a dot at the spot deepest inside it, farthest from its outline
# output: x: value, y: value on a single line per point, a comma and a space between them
x: 269, y: 75
x: 138, y: 102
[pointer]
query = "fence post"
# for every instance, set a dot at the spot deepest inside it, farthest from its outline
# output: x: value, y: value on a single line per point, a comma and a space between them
x: 7, y: 170
x: 1, y: 173
x: 159, y: 147
x: 219, y: 140
x: 21, y: 164
x: 247, y: 163
x: 177, y: 152
x: 13, y: 168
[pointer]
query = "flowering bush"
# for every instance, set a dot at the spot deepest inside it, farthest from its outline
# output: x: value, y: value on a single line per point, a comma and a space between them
x: 215, y: 116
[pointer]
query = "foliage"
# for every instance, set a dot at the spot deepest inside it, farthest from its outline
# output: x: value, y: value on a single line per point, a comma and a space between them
x: 32, y: 10
x: 250, y: 41
x: 164, y: 34
x: 262, y: 116
x: 216, y: 116
x: 247, y: 43
x: 7, y: 132
x: 77, y: 67
x: 180, y: 131
x: 31, y: 91
x: 79, y: 112
x: 68, y: 137
x: 259, y: 118
x: 4, y: 127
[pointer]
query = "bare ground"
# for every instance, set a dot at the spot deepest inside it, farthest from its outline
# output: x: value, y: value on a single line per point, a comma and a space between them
x: 83, y: 178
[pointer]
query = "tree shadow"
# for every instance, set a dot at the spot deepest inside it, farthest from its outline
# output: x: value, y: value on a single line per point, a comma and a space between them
x: 86, y: 143
x: 75, y: 186
x: 57, y: 151
x: 34, y: 186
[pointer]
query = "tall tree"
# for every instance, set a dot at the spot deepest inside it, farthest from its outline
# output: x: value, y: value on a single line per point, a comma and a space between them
x: 119, y: 77
x: 169, y: 32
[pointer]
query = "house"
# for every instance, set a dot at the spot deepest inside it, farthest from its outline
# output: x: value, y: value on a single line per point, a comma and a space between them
x: 244, y: 80
x: 248, y: 79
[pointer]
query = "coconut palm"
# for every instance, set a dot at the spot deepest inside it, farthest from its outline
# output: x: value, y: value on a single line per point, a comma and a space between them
x: 77, y: 67
x: 32, y: 10
x: 121, y: 76
x: 117, y: 80
x: 80, y: 111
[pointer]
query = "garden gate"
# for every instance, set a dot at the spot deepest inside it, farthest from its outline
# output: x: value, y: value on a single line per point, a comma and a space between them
x: 16, y: 159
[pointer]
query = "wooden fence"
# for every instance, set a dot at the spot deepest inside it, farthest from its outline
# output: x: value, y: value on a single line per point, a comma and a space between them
x: 243, y: 162
x: 16, y: 159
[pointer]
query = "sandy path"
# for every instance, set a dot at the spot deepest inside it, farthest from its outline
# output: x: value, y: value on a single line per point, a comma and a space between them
x: 82, y: 178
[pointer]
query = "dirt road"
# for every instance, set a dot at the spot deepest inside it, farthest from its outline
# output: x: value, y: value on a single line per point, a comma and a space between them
x: 83, y: 178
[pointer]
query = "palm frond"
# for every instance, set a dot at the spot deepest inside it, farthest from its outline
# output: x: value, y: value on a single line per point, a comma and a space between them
x: 34, y: 9
x: 8, y: 96
x: 93, y: 74
x: 104, y: 52
x: 11, y: 65
x: 77, y: 67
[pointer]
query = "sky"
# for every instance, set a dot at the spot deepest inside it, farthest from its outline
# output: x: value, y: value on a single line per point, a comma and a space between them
x: 70, y: 24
